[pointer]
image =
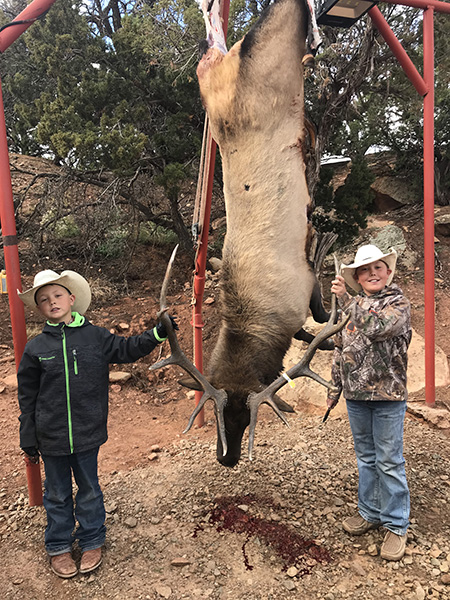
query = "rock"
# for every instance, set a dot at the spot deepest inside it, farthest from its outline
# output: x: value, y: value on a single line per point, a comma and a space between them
x: 131, y: 522
x: 11, y: 381
x: 180, y: 562
x: 392, y: 192
x: 289, y: 585
x: 292, y: 571
x: 119, y: 376
x: 416, y: 365
x: 110, y: 507
x: 420, y: 592
x: 372, y: 550
x: 445, y: 579
x: 163, y: 590
x: 358, y: 568
x: 442, y: 224
x: 215, y: 263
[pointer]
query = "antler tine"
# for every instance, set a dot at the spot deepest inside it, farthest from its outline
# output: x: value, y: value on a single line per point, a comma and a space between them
x: 166, y: 281
x: 179, y: 358
x: 254, y: 401
x: 301, y: 369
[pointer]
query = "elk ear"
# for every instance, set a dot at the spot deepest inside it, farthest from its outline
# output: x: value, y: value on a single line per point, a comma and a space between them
x: 190, y: 383
x: 282, y: 405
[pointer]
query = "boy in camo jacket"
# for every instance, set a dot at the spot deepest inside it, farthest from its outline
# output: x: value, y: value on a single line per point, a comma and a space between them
x: 369, y: 367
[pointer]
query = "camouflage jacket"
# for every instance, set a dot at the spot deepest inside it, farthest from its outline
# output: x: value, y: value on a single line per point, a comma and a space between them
x: 370, y: 356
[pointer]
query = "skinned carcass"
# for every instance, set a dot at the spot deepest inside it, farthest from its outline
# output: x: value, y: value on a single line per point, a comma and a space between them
x: 254, y: 99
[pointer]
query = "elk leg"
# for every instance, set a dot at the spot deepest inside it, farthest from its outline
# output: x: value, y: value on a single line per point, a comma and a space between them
x: 304, y: 336
x: 316, y: 305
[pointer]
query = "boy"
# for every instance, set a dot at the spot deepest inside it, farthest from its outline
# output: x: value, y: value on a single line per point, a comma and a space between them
x: 63, y: 397
x: 369, y: 366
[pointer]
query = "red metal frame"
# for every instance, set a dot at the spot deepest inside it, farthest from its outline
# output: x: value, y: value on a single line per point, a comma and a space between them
x: 9, y: 233
x: 425, y: 87
x: 200, y: 265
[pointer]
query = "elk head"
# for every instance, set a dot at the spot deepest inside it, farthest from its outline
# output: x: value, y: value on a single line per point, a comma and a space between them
x: 238, y: 410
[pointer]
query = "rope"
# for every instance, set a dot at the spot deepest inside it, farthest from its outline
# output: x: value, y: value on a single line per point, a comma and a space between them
x: 199, y: 207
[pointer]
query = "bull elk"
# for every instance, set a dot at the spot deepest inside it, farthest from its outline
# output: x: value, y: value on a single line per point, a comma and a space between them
x: 254, y: 99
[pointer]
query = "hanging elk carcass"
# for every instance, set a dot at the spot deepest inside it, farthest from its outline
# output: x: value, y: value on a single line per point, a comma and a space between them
x: 253, y: 96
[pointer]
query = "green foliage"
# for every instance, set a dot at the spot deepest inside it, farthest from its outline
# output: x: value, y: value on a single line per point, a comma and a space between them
x: 114, y: 244
x: 152, y: 234
x: 171, y: 179
x: 345, y: 210
x: 63, y: 228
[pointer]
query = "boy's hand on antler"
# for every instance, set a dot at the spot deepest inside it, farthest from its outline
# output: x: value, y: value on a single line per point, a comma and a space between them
x: 338, y: 286
x: 161, y: 329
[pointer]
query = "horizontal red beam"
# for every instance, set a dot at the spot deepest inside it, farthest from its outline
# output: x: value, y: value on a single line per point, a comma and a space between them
x: 28, y: 16
x: 443, y: 7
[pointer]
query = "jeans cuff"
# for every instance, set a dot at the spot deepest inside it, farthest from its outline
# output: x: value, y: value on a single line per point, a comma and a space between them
x: 397, y: 531
x: 92, y: 545
x: 59, y: 552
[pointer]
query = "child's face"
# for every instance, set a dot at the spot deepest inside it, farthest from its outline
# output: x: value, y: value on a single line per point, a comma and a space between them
x: 373, y: 277
x: 55, y: 303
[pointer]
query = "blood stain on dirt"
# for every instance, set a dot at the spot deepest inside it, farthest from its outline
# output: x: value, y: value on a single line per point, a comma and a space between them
x: 292, y: 548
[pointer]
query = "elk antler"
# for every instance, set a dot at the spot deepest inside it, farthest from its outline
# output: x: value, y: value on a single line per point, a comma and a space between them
x: 179, y: 358
x: 301, y: 369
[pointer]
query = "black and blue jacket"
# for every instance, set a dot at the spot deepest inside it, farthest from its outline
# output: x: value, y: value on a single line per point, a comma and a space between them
x: 63, y: 382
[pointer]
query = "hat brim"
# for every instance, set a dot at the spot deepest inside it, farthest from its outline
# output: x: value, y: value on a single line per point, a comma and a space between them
x: 71, y: 280
x: 348, y: 271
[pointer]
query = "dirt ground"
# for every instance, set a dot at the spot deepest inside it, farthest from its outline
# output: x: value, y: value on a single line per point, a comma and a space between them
x: 181, y: 526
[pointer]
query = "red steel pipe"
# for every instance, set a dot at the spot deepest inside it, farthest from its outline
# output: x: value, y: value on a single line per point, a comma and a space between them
x: 428, y: 205
x: 443, y: 7
x: 16, y: 306
x: 425, y: 87
x: 10, y: 249
x: 8, y: 223
x: 398, y: 50
x: 199, y: 277
x: 27, y: 17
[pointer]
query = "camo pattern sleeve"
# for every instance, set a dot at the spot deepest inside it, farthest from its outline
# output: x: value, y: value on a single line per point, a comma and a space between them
x: 373, y: 360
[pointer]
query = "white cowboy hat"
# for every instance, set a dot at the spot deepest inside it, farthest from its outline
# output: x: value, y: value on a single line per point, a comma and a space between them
x: 364, y: 256
x: 75, y: 283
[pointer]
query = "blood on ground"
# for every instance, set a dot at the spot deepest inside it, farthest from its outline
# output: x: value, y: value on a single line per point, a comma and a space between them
x: 293, y: 549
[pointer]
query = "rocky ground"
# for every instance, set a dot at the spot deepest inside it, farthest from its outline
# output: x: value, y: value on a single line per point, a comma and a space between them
x: 182, y: 526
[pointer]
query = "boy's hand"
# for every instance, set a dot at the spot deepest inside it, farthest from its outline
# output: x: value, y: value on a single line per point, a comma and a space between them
x: 331, y: 403
x: 338, y: 286
x: 161, y: 330
x: 31, y: 452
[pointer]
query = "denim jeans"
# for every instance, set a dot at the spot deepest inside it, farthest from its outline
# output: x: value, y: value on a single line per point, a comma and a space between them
x: 383, y: 495
x: 89, y: 508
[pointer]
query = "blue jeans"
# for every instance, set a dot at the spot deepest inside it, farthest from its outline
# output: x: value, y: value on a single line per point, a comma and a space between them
x: 89, y: 509
x: 383, y: 495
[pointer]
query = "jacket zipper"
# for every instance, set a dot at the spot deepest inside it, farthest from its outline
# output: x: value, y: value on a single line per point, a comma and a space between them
x: 75, y: 362
x: 66, y: 374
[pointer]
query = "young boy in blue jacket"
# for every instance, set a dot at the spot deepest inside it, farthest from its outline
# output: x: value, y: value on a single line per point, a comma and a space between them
x: 63, y: 397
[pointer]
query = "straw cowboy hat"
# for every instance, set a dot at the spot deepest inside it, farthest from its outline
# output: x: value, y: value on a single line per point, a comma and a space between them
x: 75, y: 283
x: 364, y: 256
